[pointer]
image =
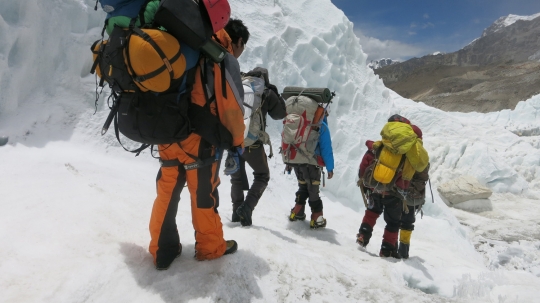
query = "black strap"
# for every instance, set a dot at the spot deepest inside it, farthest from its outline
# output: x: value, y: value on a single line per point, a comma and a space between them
x: 98, y: 53
x: 204, y: 82
x: 195, y: 165
x: 169, y: 163
x: 223, y: 79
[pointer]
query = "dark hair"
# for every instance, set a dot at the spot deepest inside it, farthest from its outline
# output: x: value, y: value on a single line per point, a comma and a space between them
x: 236, y: 30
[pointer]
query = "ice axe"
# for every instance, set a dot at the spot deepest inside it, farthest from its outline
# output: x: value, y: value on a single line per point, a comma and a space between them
x: 362, y: 191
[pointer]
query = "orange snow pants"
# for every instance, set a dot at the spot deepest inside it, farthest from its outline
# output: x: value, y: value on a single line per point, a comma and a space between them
x: 202, y: 185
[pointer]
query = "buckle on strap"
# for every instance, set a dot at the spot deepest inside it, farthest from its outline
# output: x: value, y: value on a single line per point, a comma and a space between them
x: 200, y: 163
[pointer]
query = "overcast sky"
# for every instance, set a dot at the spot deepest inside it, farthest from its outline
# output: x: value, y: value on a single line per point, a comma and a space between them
x: 402, y: 29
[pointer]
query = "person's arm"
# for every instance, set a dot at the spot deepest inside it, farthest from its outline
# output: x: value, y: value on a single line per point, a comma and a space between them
x: 325, y: 145
x: 276, y: 105
x: 366, y: 159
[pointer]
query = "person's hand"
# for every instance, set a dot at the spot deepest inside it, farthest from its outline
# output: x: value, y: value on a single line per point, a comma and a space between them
x: 330, y: 174
x: 239, y: 150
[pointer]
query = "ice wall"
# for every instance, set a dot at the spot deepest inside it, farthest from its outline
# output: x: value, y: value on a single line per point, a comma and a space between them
x: 312, y: 43
x: 44, y: 45
x: 46, y: 90
x: 44, y: 56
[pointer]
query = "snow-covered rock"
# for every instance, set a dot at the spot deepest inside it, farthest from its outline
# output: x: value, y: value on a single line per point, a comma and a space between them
x: 463, y: 189
x: 505, y: 21
x: 475, y: 205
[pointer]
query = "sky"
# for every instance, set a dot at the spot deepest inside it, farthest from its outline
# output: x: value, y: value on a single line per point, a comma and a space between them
x: 74, y: 206
x: 401, y: 29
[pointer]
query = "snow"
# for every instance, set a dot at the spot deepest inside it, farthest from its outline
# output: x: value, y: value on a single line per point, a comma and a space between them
x: 505, y: 21
x: 74, y: 206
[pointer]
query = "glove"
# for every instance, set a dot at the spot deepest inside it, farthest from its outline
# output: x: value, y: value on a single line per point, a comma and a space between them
x: 288, y: 169
x: 232, y: 163
x: 219, y: 153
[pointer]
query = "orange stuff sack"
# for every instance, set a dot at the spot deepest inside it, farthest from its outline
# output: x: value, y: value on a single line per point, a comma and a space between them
x: 154, y: 59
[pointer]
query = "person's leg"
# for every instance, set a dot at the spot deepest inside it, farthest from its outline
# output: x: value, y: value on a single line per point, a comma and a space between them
x: 237, y: 190
x: 202, y: 184
x: 302, y: 194
x: 407, y: 227
x: 165, y: 242
x: 392, y: 215
x: 255, y: 156
x: 370, y: 219
x: 315, y: 202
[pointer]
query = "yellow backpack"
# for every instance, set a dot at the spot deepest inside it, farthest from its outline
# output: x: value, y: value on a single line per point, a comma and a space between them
x: 400, y: 152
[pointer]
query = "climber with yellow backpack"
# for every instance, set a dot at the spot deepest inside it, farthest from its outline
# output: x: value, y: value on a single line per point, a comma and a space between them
x: 385, y: 173
x: 175, y: 86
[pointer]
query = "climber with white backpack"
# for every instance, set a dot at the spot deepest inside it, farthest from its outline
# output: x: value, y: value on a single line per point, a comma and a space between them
x: 260, y: 99
x: 306, y: 147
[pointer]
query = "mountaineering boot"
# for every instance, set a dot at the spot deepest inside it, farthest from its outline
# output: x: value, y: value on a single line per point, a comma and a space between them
x: 298, y: 213
x: 317, y: 220
x: 403, y: 250
x: 232, y: 246
x: 364, y: 234
x: 244, y: 212
x: 235, y: 217
x: 165, y: 264
x: 389, y: 250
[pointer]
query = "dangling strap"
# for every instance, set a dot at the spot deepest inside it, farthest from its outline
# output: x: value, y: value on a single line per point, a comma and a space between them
x: 432, y: 200
x: 405, y: 207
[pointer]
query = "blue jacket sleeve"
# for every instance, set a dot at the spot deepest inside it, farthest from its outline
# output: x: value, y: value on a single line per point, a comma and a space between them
x: 325, y: 146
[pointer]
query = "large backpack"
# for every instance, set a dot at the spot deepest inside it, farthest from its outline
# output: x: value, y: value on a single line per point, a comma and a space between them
x: 399, y: 154
x: 301, y: 128
x: 381, y: 174
x: 151, y: 74
x: 254, y: 90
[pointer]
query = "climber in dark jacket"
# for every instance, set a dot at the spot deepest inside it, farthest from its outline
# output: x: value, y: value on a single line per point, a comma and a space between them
x: 255, y: 156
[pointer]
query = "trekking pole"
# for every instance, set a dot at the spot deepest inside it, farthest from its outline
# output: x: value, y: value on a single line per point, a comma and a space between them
x: 362, y: 190
x: 432, y: 200
x: 323, y: 183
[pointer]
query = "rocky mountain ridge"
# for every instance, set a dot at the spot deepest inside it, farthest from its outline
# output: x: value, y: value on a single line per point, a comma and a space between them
x: 493, y: 72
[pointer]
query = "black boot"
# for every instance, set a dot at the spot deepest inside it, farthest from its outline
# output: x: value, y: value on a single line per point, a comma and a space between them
x: 403, y: 250
x: 389, y: 250
x: 244, y: 212
x: 235, y: 217
x: 364, y: 234
x: 164, y: 263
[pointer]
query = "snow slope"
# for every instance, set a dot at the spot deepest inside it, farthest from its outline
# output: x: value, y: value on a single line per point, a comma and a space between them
x: 74, y: 206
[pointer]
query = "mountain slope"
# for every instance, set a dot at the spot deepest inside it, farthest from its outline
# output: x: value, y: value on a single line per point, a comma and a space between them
x: 494, y: 72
